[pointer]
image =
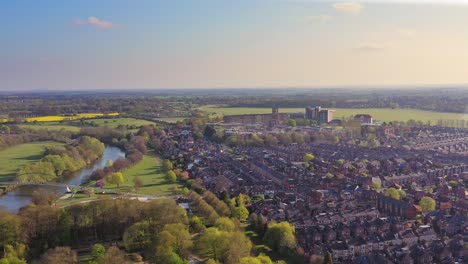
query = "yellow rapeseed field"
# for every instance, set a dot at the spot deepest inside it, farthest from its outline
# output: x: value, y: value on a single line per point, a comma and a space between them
x: 62, y: 118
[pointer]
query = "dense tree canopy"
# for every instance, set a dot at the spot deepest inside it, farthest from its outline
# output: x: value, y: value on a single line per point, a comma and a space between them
x: 171, y: 177
x: 394, y: 193
x: 116, y: 178
x: 280, y: 237
x: 308, y: 157
x: 60, y: 255
x: 10, y: 229
x: 227, y: 247
x: 427, y: 204
x: 61, y: 159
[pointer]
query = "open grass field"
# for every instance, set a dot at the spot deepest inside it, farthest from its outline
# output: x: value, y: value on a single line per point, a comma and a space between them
x: 52, y: 126
x: 14, y: 158
x: 75, y: 126
x: 404, y: 114
x: 149, y: 169
x: 115, y: 122
x: 381, y: 114
x: 171, y: 119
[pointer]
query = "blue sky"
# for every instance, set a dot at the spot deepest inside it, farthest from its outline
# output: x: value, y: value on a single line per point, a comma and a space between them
x: 244, y: 43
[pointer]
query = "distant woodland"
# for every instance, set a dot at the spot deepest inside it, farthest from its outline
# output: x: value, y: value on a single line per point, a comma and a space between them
x: 177, y: 103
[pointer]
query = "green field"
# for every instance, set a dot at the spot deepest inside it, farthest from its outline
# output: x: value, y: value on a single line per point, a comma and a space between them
x: 52, y: 126
x: 171, y: 119
x: 405, y: 114
x: 149, y: 169
x: 75, y: 126
x: 115, y: 122
x: 381, y: 114
x: 12, y: 159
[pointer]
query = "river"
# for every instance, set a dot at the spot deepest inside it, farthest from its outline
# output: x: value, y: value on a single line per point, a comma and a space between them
x: 14, y: 200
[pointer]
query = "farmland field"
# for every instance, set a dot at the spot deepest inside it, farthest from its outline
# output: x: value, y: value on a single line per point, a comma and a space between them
x: 75, y: 126
x: 381, y: 114
x: 52, y: 126
x: 404, y: 114
x: 15, y: 157
x: 115, y: 122
x: 58, y: 118
x: 149, y: 169
x: 171, y: 119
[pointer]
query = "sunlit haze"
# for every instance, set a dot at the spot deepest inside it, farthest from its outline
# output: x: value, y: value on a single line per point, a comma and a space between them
x: 116, y: 44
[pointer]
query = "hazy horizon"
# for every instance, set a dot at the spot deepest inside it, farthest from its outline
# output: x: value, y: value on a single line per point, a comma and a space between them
x: 248, y: 44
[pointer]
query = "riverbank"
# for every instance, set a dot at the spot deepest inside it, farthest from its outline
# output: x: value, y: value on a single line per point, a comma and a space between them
x: 17, y: 156
x: 4, y: 189
x: 149, y: 170
x: 21, y: 197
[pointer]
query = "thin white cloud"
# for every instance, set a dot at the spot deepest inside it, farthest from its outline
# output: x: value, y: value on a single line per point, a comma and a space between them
x: 94, y: 22
x: 322, y: 18
x: 370, y: 47
x: 353, y: 8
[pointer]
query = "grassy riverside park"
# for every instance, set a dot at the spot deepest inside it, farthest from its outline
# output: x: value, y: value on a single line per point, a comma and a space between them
x: 12, y: 159
x: 381, y: 114
x: 150, y: 170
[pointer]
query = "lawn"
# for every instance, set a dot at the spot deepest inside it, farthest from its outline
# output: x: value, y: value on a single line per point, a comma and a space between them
x: 149, y: 169
x: 12, y: 159
x: 381, y: 114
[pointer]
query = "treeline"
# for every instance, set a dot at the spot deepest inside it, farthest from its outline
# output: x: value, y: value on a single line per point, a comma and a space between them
x: 213, y: 211
x: 84, y: 103
x: 211, y: 208
x: 17, y: 135
x: 59, y: 160
x: 461, y: 123
x: 440, y: 103
x: 134, y: 149
x: 275, y: 139
x: 107, y: 135
x: 156, y: 232
x: 224, y: 241
x: 285, y: 102
x: 40, y: 226
x: 56, y: 105
x: 134, y: 146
